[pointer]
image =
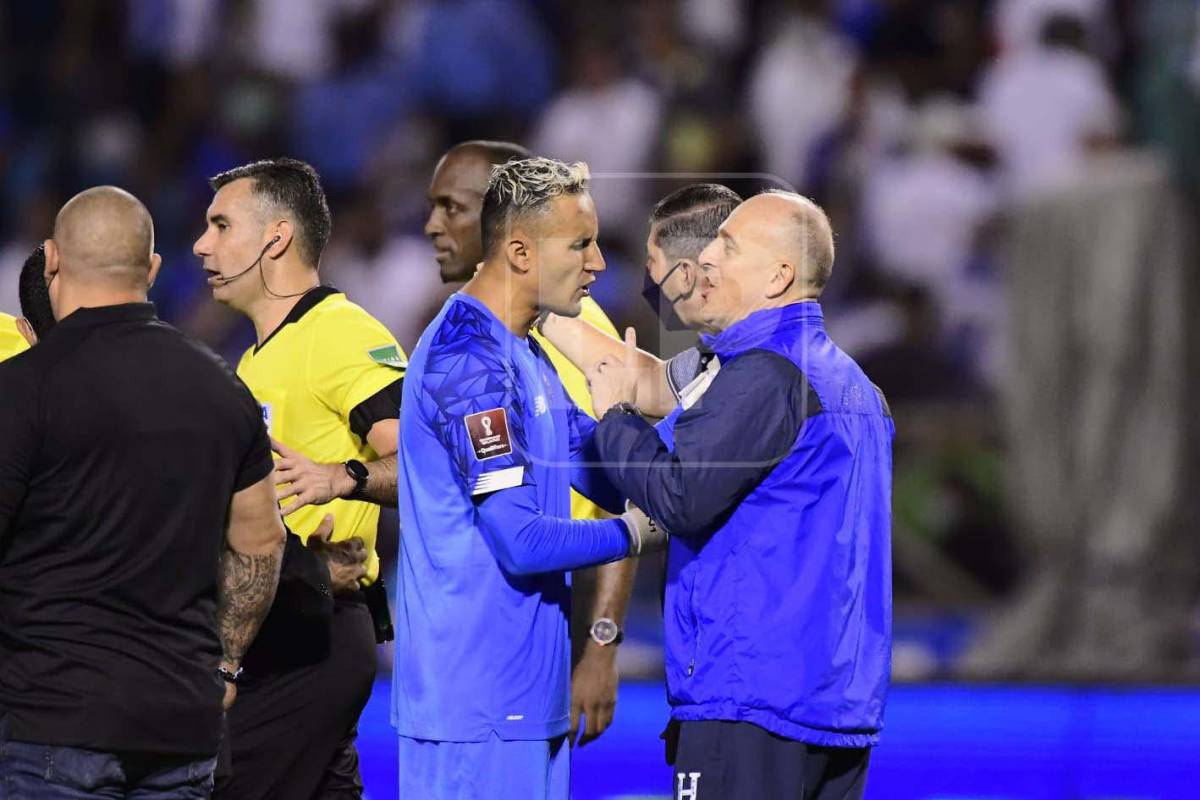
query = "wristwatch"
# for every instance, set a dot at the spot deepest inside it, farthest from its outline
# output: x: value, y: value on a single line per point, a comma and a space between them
x: 625, y: 407
x: 359, y: 472
x: 606, y: 632
x: 230, y: 675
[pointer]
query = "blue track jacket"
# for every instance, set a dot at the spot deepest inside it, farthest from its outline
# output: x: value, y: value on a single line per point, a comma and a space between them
x: 776, y: 486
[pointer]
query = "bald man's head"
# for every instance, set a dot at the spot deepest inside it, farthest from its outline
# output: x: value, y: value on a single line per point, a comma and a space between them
x: 102, y: 252
x: 105, y: 235
x: 774, y: 249
x: 806, y: 237
x: 456, y: 202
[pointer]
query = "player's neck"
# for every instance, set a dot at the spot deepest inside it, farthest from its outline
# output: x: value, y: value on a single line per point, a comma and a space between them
x: 504, y: 298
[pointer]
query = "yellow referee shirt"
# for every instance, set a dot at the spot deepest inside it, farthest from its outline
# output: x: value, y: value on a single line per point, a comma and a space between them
x: 328, y: 357
x: 576, y: 385
x: 11, y: 340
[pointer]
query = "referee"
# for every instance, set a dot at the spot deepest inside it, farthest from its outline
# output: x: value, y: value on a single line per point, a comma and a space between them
x: 328, y: 377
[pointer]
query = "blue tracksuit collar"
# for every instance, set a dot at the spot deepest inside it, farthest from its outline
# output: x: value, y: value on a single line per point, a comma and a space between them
x: 760, y: 326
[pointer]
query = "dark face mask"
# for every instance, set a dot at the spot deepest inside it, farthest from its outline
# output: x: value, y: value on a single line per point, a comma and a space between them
x: 663, y: 306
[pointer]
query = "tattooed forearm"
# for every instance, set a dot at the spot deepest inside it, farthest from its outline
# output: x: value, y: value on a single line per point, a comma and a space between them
x: 381, y: 485
x: 247, y: 589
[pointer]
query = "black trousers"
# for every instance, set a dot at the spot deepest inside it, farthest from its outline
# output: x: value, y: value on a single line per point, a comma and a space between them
x: 292, y: 730
x: 737, y: 760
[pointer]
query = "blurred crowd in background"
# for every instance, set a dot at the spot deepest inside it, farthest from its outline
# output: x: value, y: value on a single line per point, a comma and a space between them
x: 1012, y: 184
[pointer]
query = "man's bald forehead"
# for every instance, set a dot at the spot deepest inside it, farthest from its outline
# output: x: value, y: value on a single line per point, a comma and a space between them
x: 493, y: 152
x: 777, y: 201
x: 462, y: 159
x: 467, y: 165
x: 461, y: 175
x: 803, y: 228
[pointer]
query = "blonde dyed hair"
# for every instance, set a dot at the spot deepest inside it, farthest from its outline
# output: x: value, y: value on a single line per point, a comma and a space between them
x: 525, y: 187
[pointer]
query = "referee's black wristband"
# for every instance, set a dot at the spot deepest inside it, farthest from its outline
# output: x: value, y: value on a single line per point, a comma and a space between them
x: 230, y: 676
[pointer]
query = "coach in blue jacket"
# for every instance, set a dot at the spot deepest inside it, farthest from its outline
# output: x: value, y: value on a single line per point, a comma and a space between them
x: 776, y: 489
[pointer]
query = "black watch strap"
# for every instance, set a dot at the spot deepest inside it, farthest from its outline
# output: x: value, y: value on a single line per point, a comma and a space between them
x: 627, y: 408
x: 359, y: 472
x: 233, y: 676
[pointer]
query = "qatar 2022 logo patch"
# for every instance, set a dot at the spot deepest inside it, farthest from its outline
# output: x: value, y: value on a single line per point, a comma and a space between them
x: 489, y: 433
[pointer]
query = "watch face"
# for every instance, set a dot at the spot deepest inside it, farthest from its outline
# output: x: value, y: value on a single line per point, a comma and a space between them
x: 604, y: 631
x: 357, y: 470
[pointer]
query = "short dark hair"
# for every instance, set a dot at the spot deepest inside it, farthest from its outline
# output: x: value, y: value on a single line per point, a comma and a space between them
x: 33, y: 293
x: 523, y: 187
x: 494, y: 151
x: 293, y: 185
x: 687, y: 219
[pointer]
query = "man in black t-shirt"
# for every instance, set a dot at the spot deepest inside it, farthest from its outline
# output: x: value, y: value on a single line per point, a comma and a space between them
x: 136, y: 492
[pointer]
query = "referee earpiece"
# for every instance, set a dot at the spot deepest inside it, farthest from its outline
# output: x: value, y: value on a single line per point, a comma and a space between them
x: 262, y: 276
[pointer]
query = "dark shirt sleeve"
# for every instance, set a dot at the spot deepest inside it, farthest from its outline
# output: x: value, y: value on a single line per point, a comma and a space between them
x: 682, y: 369
x: 384, y: 404
x: 588, y: 476
x: 256, y: 462
x: 19, y: 439
x: 725, y: 444
x: 527, y: 542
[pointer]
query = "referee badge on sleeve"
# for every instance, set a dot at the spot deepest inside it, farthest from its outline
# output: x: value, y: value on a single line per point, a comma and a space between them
x: 489, y: 433
x: 389, y: 356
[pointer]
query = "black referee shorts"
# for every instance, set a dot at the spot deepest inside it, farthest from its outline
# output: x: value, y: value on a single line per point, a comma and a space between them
x: 737, y: 760
x: 292, y: 730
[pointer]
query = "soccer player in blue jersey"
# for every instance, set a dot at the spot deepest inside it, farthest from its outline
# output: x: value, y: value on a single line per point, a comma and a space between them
x: 490, y: 446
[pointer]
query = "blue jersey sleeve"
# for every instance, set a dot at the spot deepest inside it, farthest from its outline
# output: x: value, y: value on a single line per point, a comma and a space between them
x: 479, y: 417
x: 476, y: 412
x: 525, y: 541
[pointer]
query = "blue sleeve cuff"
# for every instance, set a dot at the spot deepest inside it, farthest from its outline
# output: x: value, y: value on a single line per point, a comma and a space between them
x: 527, y: 542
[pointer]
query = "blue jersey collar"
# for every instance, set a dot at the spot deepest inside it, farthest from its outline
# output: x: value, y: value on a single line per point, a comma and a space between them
x: 748, y: 333
x: 491, y: 317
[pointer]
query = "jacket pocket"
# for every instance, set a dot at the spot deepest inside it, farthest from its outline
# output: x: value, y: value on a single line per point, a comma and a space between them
x: 694, y: 649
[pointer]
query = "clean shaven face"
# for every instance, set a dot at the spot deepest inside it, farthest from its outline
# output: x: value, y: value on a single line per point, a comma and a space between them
x: 568, y: 254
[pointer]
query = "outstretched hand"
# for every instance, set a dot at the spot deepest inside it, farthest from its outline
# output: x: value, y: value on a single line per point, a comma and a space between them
x: 312, y: 484
x: 614, y: 379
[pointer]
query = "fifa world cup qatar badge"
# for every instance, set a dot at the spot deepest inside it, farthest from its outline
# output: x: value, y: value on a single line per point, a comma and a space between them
x: 489, y: 433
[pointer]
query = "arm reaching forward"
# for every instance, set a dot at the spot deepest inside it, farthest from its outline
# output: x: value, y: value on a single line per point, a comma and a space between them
x: 584, y: 344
